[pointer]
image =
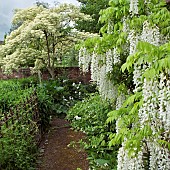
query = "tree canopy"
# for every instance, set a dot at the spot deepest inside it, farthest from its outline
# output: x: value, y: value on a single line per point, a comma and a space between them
x: 92, y: 8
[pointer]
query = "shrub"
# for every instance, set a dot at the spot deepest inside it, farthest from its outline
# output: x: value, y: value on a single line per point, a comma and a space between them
x: 65, y: 93
x: 90, y: 116
x: 17, y: 145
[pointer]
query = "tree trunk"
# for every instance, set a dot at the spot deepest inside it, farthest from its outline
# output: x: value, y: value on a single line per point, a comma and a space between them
x: 52, y: 73
x: 39, y: 77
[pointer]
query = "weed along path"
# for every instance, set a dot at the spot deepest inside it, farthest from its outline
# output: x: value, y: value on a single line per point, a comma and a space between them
x: 54, y: 151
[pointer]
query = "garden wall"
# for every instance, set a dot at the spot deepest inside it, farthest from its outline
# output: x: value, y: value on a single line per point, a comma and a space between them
x: 68, y: 72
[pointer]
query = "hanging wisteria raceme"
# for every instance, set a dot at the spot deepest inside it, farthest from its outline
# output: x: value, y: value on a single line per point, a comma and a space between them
x: 167, y: 105
x: 134, y: 7
x: 84, y: 59
x: 106, y: 88
x: 164, y: 103
x: 150, y: 34
x: 125, y: 25
x: 109, y: 61
x: 122, y: 158
x: 137, y: 80
x: 133, y: 38
x: 127, y: 163
x: 110, y: 27
x: 95, y: 67
x: 148, y: 110
x: 121, y: 98
x: 159, y: 156
x: 116, y: 56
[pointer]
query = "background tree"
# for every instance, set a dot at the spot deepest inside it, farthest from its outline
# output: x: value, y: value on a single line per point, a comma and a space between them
x: 92, y: 8
x: 43, y: 37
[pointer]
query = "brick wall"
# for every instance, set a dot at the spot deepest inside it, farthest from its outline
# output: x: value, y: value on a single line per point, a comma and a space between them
x: 68, y: 72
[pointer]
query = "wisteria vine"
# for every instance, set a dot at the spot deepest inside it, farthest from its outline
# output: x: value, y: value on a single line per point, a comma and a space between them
x: 143, y: 40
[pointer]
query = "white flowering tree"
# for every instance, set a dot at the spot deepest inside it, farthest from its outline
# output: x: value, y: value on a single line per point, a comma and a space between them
x: 131, y: 64
x: 44, y: 35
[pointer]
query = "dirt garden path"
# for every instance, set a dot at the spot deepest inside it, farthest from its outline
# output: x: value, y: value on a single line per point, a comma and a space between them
x: 55, y: 154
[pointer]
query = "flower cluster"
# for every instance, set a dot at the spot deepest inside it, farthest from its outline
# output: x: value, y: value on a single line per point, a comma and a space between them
x: 106, y: 88
x: 84, y: 59
x: 134, y: 7
x: 125, y: 25
x: 100, y: 66
x: 95, y: 67
x: 150, y: 34
x: 127, y: 163
x: 109, y: 61
x: 116, y: 56
x: 159, y: 156
x: 110, y: 27
x: 133, y: 40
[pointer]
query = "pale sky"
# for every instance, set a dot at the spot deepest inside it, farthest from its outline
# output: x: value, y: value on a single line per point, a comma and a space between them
x: 7, y: 7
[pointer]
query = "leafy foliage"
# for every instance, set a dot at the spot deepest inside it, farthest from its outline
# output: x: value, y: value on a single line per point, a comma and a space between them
x: 17, y: 145
x: 89, y: 116
x: 92, y: 8
x: 65, y: 93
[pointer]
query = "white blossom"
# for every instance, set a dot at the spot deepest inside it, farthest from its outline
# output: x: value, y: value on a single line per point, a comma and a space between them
x: 134, y: 7
x: 125, y: 162
x: 95, y: 68
x: 84, y: 59
x: 133, y: 38
x: 150, y: 34
x: 125, y: 25
x: 116, y: 56
x: 109, y: 61
x: 105, y: 86
x: 77, y: 117
x: 110, y: 27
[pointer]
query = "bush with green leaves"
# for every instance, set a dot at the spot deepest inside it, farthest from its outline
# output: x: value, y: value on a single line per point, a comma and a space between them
x: 12, y: 94
x: 65, y: 93
x: 89, y: 116
x: 17, y: 148
x: 45, y: 106
x: 17, y: 145
x: 28, y: 82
